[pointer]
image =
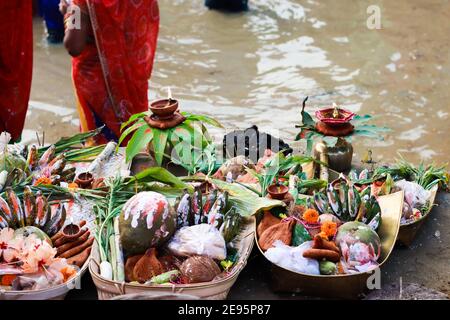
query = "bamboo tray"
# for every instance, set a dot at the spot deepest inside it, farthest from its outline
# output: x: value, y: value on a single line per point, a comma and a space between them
x: 408, y: 231
x: 215, y: 290
x: 349, y: 286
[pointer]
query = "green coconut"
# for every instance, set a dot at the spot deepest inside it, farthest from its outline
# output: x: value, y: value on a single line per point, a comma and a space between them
x: 27, y: 231
x: 146, y: 221
x: 355, y: 231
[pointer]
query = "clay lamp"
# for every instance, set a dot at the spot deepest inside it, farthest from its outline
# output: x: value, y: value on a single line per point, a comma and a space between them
x: 334, y: 121
x: 277, y: 191
x: 85, y: 180
x: 71, y: 231
x: 164, y: 109
x: 165, y: 113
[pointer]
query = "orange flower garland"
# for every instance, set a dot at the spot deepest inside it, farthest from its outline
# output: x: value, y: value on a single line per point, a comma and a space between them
x: 311, y: 216
x: 329, y: 228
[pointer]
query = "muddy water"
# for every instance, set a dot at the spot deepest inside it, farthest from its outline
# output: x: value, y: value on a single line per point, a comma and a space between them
x: 254, y: 67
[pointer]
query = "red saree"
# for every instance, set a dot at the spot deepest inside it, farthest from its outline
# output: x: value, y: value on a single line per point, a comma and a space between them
x: 111, y: 75
x: 16, y: 64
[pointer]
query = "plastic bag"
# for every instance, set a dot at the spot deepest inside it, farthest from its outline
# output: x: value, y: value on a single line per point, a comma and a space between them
x: 415, y: 195
x: 202, y: 239
x: 292, y: 257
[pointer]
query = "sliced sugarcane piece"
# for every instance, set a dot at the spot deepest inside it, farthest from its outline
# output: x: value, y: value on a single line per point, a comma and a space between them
x: 196, y: 207
x: 211, y: 198
x: 32, y: 157
x: 29, y: 206
x: 354, y: 201
x: 216, y: 215
x: 43, y: 212
x: 47, y: 156
x: 5, y: 212
x: 183, y: 210
x: 16, y: 208
x: 3, y: 223
x: 51, y: 226
x: 334, y: 202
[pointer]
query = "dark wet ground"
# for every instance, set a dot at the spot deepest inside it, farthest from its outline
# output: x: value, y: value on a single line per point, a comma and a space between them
x: 426, y: 263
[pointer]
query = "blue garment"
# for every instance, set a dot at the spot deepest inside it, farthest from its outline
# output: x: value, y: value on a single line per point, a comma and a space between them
x: 54, y: 20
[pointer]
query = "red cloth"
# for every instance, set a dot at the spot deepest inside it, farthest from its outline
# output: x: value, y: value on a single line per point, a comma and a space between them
x: 16, y: 64
x: 111, y: 75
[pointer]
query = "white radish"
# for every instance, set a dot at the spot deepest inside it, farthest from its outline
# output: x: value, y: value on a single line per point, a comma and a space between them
x: 106, y: 270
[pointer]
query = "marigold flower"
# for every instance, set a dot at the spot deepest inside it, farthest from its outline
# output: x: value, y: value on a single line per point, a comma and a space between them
x: 43, y: 181
x: 311, y: 216
x: 73, y: 185
x: 329, y: 228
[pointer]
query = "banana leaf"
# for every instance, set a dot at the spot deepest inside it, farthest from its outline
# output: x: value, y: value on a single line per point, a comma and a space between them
x: 246, y: 202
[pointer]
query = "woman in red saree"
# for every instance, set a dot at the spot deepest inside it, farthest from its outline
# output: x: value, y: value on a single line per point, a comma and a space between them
x: 112, y: 60
x: 16, y: 64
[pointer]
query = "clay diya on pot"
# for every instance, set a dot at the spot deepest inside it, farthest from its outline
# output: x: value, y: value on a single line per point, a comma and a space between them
x: 277, y: 191
x: 334, y: 121
x: 164, y: 109
x: 165, y: 113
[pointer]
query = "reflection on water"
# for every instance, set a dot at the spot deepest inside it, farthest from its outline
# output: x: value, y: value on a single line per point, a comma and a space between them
x: 255, y: 67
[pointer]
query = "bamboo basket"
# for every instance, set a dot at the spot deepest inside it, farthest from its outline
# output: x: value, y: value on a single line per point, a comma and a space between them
x: 213, y: 290
x: 54, y: 293
x: 348, y: 286
x: 408, y: 231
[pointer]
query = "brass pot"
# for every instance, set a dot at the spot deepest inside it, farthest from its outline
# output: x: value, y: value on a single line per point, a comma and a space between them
x: 340, y: 156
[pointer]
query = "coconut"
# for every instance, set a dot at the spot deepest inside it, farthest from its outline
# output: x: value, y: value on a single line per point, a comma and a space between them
x: 358, y: 243
x: 27, y: 231
x: 147, y: 220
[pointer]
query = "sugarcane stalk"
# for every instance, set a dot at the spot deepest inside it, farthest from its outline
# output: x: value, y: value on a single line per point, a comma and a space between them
x: 120, y: 267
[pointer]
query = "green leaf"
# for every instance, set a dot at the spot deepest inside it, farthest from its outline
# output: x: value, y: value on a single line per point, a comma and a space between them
x: 159, y: 144
x: 300, y: 235
x: 138, y: 141
x: 246, y: 202
x: 307, y: 119
x: 202, y: 118
x: 158, y: 174
x: 360, y: 119
x: 368, y: 134
x: 134, y: 117
x: 129, y: 130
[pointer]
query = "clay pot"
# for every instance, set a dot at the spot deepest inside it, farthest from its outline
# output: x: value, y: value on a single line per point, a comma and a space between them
x: 84, y: 180
x: 71, y: 231
x: 164, y: 109
x: 141, y: 162
x: 277, y: 192
x: 340, y: 156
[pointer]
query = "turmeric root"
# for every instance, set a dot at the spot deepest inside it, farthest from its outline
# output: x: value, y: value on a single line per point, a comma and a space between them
x: 320, y: 254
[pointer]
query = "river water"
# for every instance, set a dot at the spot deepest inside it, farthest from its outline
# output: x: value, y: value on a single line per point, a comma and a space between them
x: 255, y: 67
